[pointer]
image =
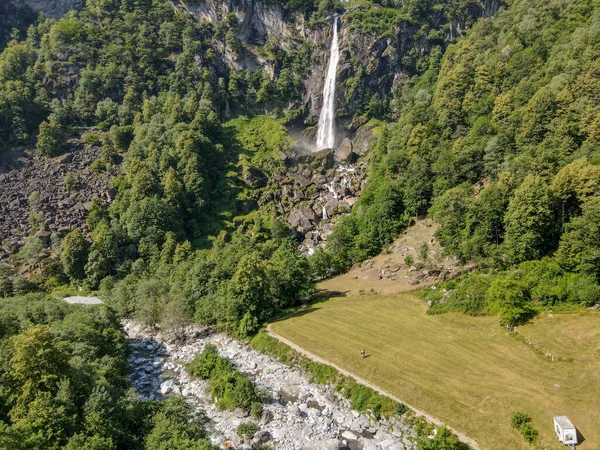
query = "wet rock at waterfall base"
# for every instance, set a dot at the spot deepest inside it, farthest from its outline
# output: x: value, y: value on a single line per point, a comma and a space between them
x: 345, y: 152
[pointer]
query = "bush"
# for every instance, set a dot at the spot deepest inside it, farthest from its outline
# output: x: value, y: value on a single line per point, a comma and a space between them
x: 92, y: 139
x: 202, y: 365
x: 256, y: 410
x: 232, y: 389
x: 529, y: 433
x: 69, y: 182
x: 519, y: 419
x: 22, y: 286
x: 52, y: 138
x: 247, y: 431
x: 522, y: 422
x: 98, y: 166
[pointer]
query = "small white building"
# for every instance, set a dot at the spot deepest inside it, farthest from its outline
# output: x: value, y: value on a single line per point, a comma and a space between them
x: 565, y: 431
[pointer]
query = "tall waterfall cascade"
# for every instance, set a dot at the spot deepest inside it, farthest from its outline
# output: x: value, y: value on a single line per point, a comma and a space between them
x: 326, y: 130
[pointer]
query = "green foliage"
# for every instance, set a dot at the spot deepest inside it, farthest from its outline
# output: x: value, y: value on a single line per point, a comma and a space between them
x: 522, y: 422
x: 69, y: 182
x: 52, y: 138
x: 74, y: 254
x: 177, y: 425
x: 203, y: 365
x: 529, y: 221
x: 444, y: 439
x: 247, y: 430
x: 231, y: 389
x: 516, y: 294
x: 63, y: 378
x: 509, y: 300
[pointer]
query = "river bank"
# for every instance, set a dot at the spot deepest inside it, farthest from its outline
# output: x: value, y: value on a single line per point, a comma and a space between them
x: 300, y: 415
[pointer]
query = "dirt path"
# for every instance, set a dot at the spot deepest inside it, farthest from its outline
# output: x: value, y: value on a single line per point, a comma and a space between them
x: 467, y: 440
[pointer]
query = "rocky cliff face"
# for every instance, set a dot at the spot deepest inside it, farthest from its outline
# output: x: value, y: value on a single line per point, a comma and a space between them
x: 51, y: 8
x: 370, y: 64
x: 258, y: 19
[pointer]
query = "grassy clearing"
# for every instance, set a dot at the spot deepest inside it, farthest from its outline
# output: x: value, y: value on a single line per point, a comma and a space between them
x: 466, y: 371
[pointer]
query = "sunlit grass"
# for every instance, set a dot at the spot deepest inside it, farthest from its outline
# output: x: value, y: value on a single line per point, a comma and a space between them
x: 466, y: 371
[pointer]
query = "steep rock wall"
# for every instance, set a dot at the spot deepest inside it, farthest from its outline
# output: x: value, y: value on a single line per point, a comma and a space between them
x: 51, y: 8
x: 369, y: 64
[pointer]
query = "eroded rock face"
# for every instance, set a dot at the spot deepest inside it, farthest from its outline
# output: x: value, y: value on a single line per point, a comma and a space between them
x: 258, y: 19
x: 51, y: 8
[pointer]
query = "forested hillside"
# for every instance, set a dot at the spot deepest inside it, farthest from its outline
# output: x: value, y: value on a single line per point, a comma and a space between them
x: 484, y: 116
x: 155, y: 86
x: 498, y: 141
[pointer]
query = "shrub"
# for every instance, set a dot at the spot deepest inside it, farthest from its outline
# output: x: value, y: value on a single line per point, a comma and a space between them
x: 203, y: 365
x: 92, y: 139
x: 232, y: 389
x: 522, y: 422
x: 247, y: 431
x: 519, y: 419
x: 529, y: 432
x: 52, y: 138
x: 256, y: 409
x: 98, y: 166
x: 22, y: 286
x: 69, y: 182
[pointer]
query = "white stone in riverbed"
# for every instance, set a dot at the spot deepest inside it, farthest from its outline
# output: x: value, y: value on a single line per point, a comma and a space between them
x: 349, y: 435
x: 386, y: 444
x: 278, y: 434
x: 294, y: 426
x: 369, y: 444
x: 166, y: 387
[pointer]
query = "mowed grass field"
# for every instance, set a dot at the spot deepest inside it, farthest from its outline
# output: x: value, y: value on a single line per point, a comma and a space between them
x: 466, y: 371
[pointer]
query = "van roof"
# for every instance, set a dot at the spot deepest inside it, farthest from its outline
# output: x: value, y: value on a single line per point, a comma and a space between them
x: 563, y: 422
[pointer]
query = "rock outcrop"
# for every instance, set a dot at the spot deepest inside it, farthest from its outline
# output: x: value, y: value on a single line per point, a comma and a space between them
x: 51, y: 8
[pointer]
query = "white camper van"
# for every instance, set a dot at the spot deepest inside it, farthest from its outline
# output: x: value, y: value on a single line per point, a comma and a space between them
x: 565, y: 431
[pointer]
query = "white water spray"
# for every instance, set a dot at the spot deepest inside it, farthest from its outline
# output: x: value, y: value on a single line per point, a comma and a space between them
x: 326, y: 131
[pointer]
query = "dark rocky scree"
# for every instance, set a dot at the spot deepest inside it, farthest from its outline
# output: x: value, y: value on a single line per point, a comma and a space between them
x: 60, y: 210
x: 316, y: 189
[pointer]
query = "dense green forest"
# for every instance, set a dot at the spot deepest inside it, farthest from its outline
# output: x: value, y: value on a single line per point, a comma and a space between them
x: 146, y: 84
x: 63, y: 384
x: 498, y: 141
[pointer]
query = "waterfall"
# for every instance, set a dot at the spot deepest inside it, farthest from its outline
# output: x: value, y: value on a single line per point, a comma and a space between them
x: 326, y: 131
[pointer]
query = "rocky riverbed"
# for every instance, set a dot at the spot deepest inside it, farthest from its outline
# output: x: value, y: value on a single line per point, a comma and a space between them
x: 299, y: 415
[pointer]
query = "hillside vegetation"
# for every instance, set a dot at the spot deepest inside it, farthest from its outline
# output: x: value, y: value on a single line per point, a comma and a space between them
x: 64, y: 384
x: 487, y: 121
x: 499, y: 142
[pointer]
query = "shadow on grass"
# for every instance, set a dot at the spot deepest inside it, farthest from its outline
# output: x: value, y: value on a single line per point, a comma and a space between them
x: 309, y: 306
x: 325, y: 294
